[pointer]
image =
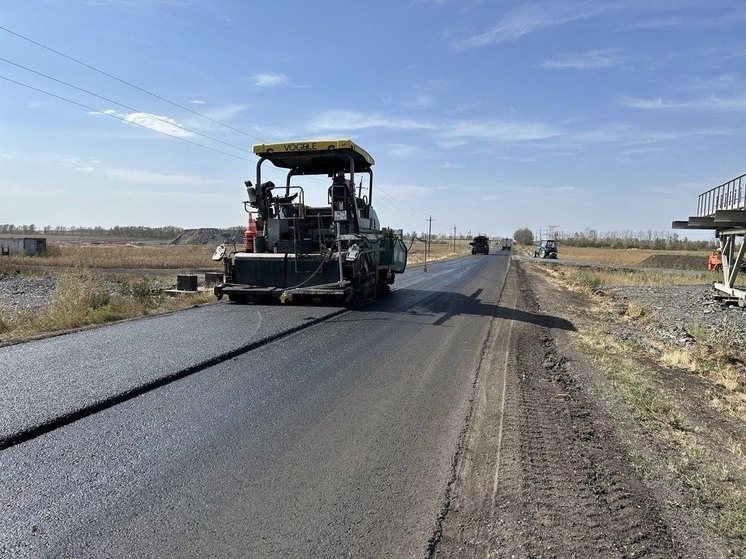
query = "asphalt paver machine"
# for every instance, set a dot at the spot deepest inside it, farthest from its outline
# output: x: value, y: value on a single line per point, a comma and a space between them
x: 337, y: 252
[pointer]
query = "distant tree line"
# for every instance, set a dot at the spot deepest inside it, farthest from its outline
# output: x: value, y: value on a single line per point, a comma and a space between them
x: 440, y: 236
x: 129, y: 231
x: 655, y: 240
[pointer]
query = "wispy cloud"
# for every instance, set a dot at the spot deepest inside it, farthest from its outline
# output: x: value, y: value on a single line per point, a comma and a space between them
x: 725, y: 105
x: 730, y: 81
x: 591, y: 60
x: 403, y: 150
x: 353, y: 120
x: 270, y: 79
x: 626, y: 135
x: 403, y: 191
x: 726, y: 18
x: 225, y: 112
x: 529, y: 19
x: 658, y: 22
x: 139, y: 6
x: 500, y: 131
x: 152, y: 177
x: 420, y: 101
x: 710, y: 104
x: 77, y: 164
x: 656, y: 103
x: 197, y: 102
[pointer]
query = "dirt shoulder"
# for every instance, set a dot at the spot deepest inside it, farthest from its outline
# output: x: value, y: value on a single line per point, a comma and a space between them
x: 560, y: 461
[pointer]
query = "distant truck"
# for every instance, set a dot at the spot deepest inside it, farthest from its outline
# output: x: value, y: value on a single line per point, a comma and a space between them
x: 507, y: 243
x: 546, y: 248
x: 480, y: 245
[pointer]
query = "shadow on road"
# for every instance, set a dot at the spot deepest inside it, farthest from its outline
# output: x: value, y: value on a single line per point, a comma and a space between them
x: 446, y: 305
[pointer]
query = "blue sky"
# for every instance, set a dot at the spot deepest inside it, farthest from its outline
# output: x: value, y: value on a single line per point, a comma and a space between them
x: 486, y: 115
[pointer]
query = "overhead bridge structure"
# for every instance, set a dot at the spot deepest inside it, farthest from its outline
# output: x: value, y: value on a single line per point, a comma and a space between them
x: 723, y: 210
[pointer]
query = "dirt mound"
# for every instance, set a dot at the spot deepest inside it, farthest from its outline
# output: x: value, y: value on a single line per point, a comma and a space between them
x: 207, y: 236
x: 675, y: 262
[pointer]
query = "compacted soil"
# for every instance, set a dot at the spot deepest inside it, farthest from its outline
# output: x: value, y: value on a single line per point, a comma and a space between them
x: 556, y: 465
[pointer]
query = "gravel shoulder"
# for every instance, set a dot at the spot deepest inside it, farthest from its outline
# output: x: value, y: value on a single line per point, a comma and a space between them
x: 556, y: 464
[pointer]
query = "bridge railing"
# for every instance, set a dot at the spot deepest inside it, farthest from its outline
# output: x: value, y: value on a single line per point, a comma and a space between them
x: 730, y: 195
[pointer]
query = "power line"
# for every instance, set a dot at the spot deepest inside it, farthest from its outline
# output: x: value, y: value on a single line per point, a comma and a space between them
x: 121, y: 104
x: 120, y: 118
x: 159, y: 97
x: 381, y: 191
x: 423, y: 214
x: 127, y: 83
x: 393, y: 209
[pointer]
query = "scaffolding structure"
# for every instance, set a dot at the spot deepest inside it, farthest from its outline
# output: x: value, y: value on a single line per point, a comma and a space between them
x: 723, y: 210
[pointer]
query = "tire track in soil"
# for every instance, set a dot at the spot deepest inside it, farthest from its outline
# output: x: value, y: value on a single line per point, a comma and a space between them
x: 565, y: 488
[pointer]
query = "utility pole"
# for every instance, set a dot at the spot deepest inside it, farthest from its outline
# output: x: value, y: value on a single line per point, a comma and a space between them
x: 454, y: 238
x: 429, y: 233
x: 427, y: 242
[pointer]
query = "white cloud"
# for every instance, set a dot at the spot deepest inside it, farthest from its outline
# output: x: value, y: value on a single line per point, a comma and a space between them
x: 586, y: 61
x: 197, y: 102
x: 6, y: 156
x: 270, y: 79
x: 162, y: 124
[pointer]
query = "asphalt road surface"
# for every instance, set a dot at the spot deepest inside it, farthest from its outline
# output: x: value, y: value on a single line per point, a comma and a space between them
x: 251, y: 431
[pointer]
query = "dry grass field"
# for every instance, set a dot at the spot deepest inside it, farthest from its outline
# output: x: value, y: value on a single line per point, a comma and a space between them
x: 619, y: 257
x: 591, y: 267
x: 118, y: 257
x: 100, y: 284
x: 438, y: 251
